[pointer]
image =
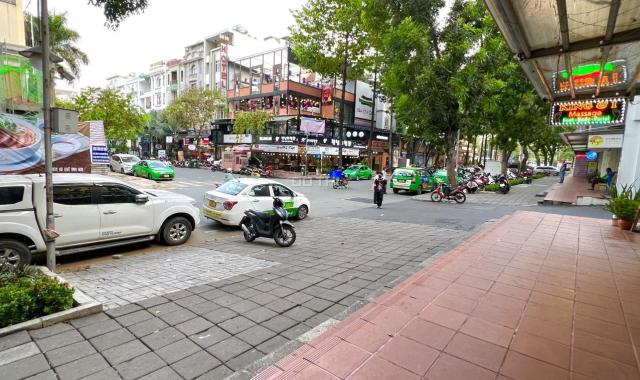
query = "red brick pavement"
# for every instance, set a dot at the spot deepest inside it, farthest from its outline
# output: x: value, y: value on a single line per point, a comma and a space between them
x: 535, y: 296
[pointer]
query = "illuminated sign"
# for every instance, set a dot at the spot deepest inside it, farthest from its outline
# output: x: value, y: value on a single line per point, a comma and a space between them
x: 587, y: 76
x: 602, y: 111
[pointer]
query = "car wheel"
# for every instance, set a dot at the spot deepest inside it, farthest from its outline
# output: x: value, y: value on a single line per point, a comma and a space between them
x: 396, y: 191
x: 122, y: 170
x: 111, y: 168
x: 419, y: 191
x: 176, y: 231
x: 303, y: 211
x: 14, y: 253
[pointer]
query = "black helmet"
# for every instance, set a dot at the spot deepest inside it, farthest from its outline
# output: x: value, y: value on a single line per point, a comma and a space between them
x: 277, y: 202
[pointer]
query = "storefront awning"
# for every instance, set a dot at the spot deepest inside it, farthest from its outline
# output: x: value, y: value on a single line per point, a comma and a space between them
x: 573, y: 48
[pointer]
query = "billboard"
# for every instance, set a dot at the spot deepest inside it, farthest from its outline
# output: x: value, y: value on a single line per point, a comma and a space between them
x: 364, y: 100
x: 599, y: 111
x: 22, y: 147
x: 605, y: 141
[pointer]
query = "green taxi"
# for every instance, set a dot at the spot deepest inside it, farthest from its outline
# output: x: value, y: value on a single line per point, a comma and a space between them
x: 358, y: 171
x: 440, y: 176
x: 155, y: 170
x: 411, y: 179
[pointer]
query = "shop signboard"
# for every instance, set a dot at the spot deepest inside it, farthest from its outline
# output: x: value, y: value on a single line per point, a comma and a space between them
x: 587, y: 76
x: 364, y: 100
x: 237, y: 139
x: 99, y: 154
x: 604, y: 141
x: 265, y: 139
x: 162, y: 153
x: 168, y: 139
x: 599, y: 111
x: 224, y: 52
x: 592, y: 156
x: 290, y: 139
x: 268, y: 148
x: 311, y: 125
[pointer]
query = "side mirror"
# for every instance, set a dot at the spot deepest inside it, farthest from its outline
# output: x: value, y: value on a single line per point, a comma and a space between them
x: 142, y: 198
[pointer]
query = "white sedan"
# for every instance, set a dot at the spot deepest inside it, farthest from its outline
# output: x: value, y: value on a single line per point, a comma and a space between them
x: 549, y: 170
x: 228, y: 203
x: 123, y: 163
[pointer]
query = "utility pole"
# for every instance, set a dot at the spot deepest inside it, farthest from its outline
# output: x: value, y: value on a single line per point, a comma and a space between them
x: 50, y: 234
x: 344, y: 88
x: 391, y: 142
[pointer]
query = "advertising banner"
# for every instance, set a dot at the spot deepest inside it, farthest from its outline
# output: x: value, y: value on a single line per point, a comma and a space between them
x: 364, y: 100
x: 310, y: 125
x: 237, y: 139
x: 605, y: 141
x: 99, y: 154
x: 267, y: 148
x: 22, y: 147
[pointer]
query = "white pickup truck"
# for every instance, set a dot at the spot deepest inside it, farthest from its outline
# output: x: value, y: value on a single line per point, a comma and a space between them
x: 91, y: 212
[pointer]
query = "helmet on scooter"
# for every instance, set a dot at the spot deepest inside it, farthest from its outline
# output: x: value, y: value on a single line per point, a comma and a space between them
x: 277, y: 203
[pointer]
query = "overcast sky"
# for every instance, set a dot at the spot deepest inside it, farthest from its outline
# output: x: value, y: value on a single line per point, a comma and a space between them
x: 163, y: 30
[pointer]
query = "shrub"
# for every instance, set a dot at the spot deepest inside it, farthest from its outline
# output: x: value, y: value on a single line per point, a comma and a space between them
x: 624, y: 208
x: 517, y: 181
x: 492, y: 187
x: 538, y: 176
x: 28, y: 293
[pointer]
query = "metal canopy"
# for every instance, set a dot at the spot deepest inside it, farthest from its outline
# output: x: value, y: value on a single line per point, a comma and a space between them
x: 561, y: 40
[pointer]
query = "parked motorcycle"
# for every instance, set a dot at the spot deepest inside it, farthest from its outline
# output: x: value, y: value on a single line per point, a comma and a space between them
x: 445, y: 192
x: 269, y: 225
x: 504, y: 184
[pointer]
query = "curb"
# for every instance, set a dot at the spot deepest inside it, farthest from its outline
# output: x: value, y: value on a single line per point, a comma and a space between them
x: 85, y: 306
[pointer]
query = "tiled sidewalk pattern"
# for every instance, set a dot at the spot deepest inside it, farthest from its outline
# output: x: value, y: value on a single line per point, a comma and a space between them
x: 521, y: 195
x: 133, y: 279
x: 212, y: 330
x: 537, y: 297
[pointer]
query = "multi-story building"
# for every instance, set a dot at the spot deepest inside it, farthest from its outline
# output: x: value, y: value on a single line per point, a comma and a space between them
x: 152, y: 90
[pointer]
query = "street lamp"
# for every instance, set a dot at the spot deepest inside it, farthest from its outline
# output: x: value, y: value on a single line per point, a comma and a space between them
x: 39, y: 59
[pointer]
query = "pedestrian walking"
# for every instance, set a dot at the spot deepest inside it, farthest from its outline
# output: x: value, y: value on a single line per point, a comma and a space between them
x: 610, y: 175
x: 379, y: 186
x: 563, y: 170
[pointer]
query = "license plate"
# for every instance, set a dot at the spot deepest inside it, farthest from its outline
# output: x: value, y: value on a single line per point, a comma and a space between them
x: 401, y: 180
x: 212, y: 213
x: 212, y: 204
x: 166, y: 176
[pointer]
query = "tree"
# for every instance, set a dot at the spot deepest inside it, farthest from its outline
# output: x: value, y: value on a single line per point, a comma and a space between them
x: 195, y: 109
x: 251, y: 122
x: 63, y: 39
x: 122, y: 120
x: 329, y: 38
x: 116, y: 11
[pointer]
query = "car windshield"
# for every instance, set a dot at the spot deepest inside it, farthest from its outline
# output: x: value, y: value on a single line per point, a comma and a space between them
x: 403, y: 173
x: 156, y: 164
x: 353, y: 167
x: 129, y: 159
x: 232, y: 187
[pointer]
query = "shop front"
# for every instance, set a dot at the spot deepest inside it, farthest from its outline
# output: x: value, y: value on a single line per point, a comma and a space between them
x: 294, y: 158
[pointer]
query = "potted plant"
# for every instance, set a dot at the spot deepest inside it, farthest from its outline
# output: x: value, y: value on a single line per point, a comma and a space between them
x: 626, y: 210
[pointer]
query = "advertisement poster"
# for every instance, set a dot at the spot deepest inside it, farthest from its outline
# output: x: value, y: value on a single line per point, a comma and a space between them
x: 604, y: 141
x: 22, y: 147
x: 364, y: 100
x: 99, y: 154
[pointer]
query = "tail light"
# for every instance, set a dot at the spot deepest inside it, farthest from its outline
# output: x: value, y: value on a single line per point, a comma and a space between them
x: 228, y: 205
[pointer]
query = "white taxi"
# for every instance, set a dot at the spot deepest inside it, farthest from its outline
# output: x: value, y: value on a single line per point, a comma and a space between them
x: 227, y: 203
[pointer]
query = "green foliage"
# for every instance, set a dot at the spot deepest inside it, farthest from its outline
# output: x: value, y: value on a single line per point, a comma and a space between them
x: 116, y: 11
x: 516, y: 181
x: 624, y: 208
x: 59, y: 103
x: 538, y: 176
x: 27, y: 293
x: 195, y: 109
x: 63, y: 40
x: 122, y: 120
x: 492, y: 187
x: 251, y: 122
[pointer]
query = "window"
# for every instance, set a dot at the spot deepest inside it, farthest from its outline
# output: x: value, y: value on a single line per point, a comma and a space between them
x: 232, y: 187
x: 260, y: 191
x: 281, y: 191
x: 72, y: 194
x: 11, y: 195
x: 116, y: 194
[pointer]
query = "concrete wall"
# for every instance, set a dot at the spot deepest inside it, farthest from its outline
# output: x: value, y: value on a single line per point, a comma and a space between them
x: 12, y: 23
x: 629, y: 169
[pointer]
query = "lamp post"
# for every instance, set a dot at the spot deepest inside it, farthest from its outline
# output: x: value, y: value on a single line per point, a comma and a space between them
x: 43, y: 52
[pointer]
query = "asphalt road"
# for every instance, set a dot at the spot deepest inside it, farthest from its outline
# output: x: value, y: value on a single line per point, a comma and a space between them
x: 354, y: 203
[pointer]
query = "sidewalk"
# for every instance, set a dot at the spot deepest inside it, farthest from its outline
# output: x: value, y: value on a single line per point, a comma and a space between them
x: 536, y: 296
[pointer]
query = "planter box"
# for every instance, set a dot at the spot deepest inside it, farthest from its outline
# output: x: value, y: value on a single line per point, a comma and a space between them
x: 84, y: 305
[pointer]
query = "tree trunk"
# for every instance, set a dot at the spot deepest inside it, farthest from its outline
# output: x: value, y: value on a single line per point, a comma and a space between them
x: 554, y: 151
x: 466, y: 154
x: 475, y: 145
x: 525, y: 158
x: 344, y: 88
x: 504, y: 162
x: 452, y: 157
x: 373, y: 117
x: 536, y: 154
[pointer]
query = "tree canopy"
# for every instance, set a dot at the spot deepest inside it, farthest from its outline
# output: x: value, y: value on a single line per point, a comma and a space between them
x: 251, y: 122
x: 195, y: 109
x: 115, y: 11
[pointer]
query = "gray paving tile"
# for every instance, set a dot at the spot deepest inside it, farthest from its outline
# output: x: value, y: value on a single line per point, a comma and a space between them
x: 204, y: 307
x: 280, y: 305
x: 164, y: 373
x: 209, y: 337
x: 256, y: 335
x: 178, y: 350
x: 244, y: 359
x: 195, y: 365
x: 125, y: 352
x: 135, y: 317
x: 24, y: 368
x: 243, y: 306
x: 220, y: 315
x: 46, y: 375
x: 89, y: 320
x: 236, y: 325
x: 272, y: 344
x: 112, y: 339
x: 50, y: 330
x: 193, y: 326
x: 220, y: 372
x: 299, y: 313
x: 228, y: 348
x: 99, y: 328
x: 153, y: 301
x: 279, y: 323
x: 69, y: 353
x: 106, y: 374
x: 147, y: 327
x: 140, y: 366
x: 260, y: 314
x: 123, y: 310
x: 190, y: 300
x: 177, y: 316
x: 15, y: 339
x: 54, y: 341
x: 80, y: 368
x: 162, y: 338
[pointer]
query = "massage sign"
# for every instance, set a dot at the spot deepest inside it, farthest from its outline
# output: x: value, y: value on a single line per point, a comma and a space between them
x: 587, y: 76
x: 605, y: 111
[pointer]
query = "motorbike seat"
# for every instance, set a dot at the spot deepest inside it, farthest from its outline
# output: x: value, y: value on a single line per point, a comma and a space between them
x: 261, y: 215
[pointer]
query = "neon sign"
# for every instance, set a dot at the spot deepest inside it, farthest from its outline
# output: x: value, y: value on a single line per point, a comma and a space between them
x: 602, y: 111
x: 587, y: 76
